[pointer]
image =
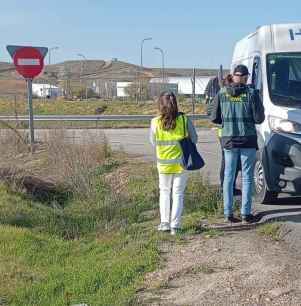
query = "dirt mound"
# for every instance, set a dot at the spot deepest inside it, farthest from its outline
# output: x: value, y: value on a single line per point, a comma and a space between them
x: 39, y: 188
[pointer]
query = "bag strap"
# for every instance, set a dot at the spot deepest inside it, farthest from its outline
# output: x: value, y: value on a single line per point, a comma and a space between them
x: 184, y: 126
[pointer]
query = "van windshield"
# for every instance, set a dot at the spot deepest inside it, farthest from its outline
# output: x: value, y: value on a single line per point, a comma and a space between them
x: 284, y: 78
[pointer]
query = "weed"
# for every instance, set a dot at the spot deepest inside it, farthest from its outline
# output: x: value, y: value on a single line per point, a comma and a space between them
x: 270, y: 230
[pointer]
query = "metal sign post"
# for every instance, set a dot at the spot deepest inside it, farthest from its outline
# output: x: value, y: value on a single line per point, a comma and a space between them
x: 30, y: 110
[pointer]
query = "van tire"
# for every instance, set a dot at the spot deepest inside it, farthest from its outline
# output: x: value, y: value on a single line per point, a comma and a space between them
x: 261, y: 193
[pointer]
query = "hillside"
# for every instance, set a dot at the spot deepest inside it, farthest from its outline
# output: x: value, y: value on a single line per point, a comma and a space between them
x: 113, y: 70
x: 73, y: 71
x: 117, y: 70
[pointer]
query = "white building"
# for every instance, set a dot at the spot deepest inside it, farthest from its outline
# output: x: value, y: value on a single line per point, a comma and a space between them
x: 185, y: 84
x: 45, y: 90
x: 121, y: 89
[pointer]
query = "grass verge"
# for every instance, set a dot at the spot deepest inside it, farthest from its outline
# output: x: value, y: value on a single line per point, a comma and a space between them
x: 96, y: 245
x: 62, y: 107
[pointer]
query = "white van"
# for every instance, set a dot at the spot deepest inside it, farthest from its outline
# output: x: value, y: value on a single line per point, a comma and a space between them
x: 273, y: 56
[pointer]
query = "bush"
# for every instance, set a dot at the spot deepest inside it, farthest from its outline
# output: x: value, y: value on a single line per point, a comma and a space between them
x: 81, y: 91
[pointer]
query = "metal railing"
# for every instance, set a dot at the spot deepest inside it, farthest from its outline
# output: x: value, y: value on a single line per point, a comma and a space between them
x: 90, y: 117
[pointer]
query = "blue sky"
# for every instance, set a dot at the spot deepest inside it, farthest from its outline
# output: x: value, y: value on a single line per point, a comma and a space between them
x: 193, y: 33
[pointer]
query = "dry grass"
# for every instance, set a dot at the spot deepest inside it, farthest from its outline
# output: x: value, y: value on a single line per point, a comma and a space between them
x: 56, y: 166
x: 12, y: 142
x: 75, y: 164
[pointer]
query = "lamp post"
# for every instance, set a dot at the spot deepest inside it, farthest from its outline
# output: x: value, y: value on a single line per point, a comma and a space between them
x: 49, y: 63
x: 49, y: 53
x: 163, y: 59
x: 81, y: 71
x: 141, y: 64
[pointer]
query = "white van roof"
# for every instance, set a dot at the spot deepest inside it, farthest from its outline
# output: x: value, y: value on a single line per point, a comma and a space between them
x: 269, y: 39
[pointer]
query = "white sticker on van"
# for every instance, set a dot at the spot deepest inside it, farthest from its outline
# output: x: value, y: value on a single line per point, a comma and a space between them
x: 293, y: 34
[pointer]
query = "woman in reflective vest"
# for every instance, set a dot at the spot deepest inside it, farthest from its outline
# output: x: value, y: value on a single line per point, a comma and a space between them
x: 166, y: 130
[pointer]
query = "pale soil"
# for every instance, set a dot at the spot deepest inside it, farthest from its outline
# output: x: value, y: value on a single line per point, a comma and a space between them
x: 241, y: 268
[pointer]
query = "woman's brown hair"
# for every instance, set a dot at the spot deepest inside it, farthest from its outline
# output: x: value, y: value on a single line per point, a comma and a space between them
x: 228, y: 80
x: 168, y: 109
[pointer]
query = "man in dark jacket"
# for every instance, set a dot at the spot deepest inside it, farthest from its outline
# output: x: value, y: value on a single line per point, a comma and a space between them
x: 211, y: 90
x: 238, y: 108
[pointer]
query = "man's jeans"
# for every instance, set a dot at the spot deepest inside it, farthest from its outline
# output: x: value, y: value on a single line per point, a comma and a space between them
x: 247, y: 157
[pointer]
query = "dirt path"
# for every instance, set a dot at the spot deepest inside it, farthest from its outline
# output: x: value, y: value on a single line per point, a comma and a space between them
x: 234, y: 269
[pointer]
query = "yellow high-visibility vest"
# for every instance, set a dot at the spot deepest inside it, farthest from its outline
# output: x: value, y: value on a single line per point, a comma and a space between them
x: 168, y: 150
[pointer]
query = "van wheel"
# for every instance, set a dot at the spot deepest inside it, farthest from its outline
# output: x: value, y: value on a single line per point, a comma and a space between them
x: 260, y: 191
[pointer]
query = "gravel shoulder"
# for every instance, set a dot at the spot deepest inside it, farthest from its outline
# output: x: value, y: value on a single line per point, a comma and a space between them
x: 241, y: 268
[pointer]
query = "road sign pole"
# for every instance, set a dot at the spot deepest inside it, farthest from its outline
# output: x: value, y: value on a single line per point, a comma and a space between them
x: 30, y: 109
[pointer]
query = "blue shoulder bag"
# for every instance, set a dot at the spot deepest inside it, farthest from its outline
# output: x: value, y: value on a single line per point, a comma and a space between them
x: 191, y: 159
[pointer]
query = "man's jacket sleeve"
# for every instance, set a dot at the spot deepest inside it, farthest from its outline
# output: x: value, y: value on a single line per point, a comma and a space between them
x: 257, y: 108
x: 216, y: 116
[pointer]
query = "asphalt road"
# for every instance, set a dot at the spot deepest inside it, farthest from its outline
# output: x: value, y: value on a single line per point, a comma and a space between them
x: 138, y: 144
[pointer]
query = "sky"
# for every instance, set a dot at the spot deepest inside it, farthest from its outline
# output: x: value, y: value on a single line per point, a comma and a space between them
x: 192, y: 33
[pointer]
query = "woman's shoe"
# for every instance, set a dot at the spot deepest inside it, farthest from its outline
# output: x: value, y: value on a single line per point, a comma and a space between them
x: 175, y: 231
x: 164, y: 227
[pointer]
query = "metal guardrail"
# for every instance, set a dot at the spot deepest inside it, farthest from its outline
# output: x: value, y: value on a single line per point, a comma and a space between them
x: 90, y: 117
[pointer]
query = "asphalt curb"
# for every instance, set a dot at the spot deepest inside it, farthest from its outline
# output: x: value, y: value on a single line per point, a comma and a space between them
x: 261, y: 217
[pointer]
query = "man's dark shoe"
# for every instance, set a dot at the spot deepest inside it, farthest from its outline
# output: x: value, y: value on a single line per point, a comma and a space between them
x: 231, y: 219
x: 236, y: 192
x: 248, y: 219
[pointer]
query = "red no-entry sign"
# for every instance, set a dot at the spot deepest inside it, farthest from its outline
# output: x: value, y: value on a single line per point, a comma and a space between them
x: 28, y: 61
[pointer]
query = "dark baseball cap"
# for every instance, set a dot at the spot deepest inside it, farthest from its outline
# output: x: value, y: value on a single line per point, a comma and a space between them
x: 242, y: 69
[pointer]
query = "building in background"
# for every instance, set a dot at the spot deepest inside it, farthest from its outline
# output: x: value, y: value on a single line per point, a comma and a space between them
x: 45, y: 91
x: 184, y: 84
x: 121, y: 89
x: 180, y: 85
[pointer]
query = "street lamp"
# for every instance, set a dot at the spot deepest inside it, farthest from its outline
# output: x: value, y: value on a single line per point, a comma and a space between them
x: 141, y: 50
x: 49, y: 62
x: 49, y: 53
x: 141, y: 62
x: 81, y: 71
x: 163, y: 72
